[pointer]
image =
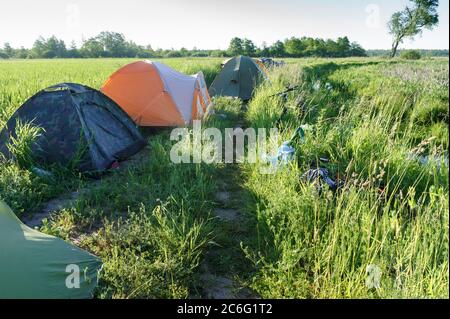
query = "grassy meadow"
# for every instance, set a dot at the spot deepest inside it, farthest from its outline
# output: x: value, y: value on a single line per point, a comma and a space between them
x: 383, y: 126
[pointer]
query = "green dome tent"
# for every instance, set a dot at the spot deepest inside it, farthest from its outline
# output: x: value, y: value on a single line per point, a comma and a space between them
x: 35, y: 265
x: 79, y: 124
x: 238, y: 78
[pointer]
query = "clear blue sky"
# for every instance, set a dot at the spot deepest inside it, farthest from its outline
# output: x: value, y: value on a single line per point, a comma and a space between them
x: 210, y: 23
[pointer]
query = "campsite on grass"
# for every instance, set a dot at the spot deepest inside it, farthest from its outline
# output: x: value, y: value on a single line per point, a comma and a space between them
x: 340, y: 188
x: 163, y: 230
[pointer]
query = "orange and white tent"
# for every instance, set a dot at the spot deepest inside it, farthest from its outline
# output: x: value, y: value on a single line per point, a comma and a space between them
x: 262, y: 66
x: 155, y: 95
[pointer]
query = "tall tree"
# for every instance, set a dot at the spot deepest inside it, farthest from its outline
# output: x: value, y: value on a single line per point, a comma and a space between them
x: 92, y: 48
x: 114, y: 44
x: 277, y: 49
x: 8, y: 50
x: 356, y: 50
x: 73, y: 52
x: 294, y: 47
x: 249, y: 48
x: 343, y: 46
x: 21, y: 53
x: 236, y: 47
x: 412, y: 20
x: 49, y: 48
x: 55, y: 48
x: 264, y: 51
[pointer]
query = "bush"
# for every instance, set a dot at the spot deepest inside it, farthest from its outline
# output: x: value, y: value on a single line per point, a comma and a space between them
x: 410, y: 55
x: 173, y: 54
x: 143, y: 55
x: 199, y: 55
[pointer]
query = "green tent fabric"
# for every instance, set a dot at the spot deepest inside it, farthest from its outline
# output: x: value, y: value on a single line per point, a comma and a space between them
x: 238, y: 78
x: 79, y: 125
x: 36, y: 265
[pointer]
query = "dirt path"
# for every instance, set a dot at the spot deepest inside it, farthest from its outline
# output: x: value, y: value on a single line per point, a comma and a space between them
x: 68, y: 199
x: 221, y: 272
x: 54, y: 205
x: 224, y: 268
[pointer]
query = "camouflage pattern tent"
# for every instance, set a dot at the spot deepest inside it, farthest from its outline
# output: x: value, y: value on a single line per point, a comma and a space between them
x: 238, y: 78
x: 79, y: 125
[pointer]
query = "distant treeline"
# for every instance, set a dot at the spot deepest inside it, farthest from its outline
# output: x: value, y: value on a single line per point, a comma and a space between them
x: 298, y: 47
x: 115, y: 45
x: 423, y: 53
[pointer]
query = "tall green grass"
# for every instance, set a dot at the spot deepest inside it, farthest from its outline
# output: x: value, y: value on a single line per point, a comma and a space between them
x: 392, y: 211
x: 20, y: 146
x: 152, y: 222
